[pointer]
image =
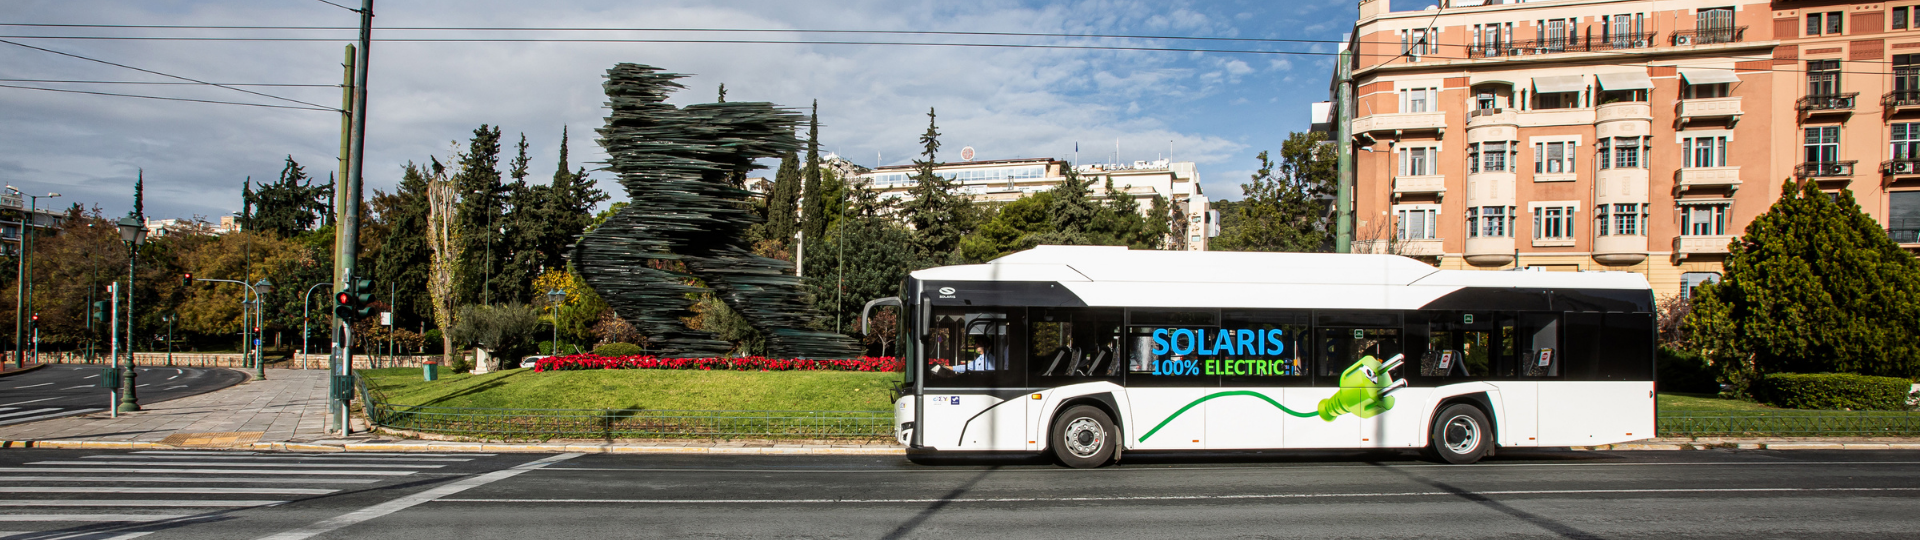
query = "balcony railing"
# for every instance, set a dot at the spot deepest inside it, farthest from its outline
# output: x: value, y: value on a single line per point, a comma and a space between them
x: 1904, y: 231
x: 1587, y: 43
x: 1901, y: 167
x: 1708, y: 36
x: 1824, y: 169
x: 1901, y: 99
x: 1826, y: 102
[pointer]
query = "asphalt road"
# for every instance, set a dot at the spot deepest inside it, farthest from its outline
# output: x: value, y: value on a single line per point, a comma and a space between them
x: 217, y: 495
x: 69, y: 389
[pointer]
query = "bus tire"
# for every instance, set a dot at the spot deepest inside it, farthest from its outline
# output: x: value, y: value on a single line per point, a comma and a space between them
x: 1083, y: 437
x: 1461, y: 435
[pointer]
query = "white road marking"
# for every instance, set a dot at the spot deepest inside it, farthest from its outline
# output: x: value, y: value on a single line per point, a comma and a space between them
x: 198, y: 471
x: 33, y: 401
x: 91, y: 376
x: 1702, y: 491
x: 281, y: 457
x: 173, y: 377
x: 31, y: 385
x: 50, y: 415
x: 81, y: 386
x: 141, y: 385
x: 168, y: 503
x: 410, y: 501
x: 199, y: 490
x: 90, y: 517
x: 234, y: 453
x: 174, y: 386
x: 219, y: 464
x: 120, y: 478
x: 28, y: 412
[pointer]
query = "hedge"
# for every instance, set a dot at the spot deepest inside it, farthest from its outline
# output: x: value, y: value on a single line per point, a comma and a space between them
x: 751, y: 363
x: 1682, y: 371
x: 1833, y: 391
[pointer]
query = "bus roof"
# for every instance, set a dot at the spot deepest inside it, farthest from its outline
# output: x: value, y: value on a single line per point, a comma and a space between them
x: 1068, y: 264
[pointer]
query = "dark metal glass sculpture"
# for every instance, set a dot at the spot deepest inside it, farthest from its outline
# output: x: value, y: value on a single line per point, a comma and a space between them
x: 681, y: 167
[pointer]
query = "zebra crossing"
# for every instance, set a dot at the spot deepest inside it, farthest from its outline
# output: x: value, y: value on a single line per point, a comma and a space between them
x: 123, y: 495
x: 26, y: 412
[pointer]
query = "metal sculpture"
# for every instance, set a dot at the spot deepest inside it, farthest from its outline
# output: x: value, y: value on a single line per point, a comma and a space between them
x: 682, y: 169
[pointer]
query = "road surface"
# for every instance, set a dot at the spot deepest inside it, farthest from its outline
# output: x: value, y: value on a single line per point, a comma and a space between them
x: 69, y: 389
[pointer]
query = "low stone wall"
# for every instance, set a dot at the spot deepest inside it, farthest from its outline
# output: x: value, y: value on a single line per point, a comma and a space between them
x: 236, y: 361
x: 361, y: 361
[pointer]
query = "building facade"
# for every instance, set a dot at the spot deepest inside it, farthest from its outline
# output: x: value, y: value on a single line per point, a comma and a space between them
x: 1006, y: 180
x: 14, y: 212
x: 1631, y: 135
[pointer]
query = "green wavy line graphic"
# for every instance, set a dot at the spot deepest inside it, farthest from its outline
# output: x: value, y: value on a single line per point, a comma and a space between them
x: 1263, y: 397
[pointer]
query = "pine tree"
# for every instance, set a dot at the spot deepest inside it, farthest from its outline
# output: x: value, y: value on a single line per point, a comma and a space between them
x: 781, y: 202
x: 288, y: 206
x: 521, y: 227
x: 140, y: 196
x: 1814, y: 286
x: 571, y: 198
x: 482, y: 201
x: 1287, y: 211
x: 935, y: 207
x: 404, y: 256
x: 813, y: 217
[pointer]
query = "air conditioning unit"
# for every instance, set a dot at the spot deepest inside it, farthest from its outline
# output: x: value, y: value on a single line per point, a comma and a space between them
x: 1836, y: 169
x: 1902, y: 167
x: 1682, y: 40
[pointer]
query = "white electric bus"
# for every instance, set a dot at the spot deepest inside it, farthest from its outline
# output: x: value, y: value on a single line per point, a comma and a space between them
x: 1089, y: 352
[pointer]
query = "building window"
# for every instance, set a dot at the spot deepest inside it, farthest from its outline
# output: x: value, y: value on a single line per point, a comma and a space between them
x: 1714, y: 25
x: 1417, y: 42
x: 1553, y: 157
x: 1903, y: 216
x: 1900, y: 18
x: 1619, y: 153
x: 1553, y: 222
x: 1559, y: 33
x: 1416, y: 100
x: 1618, y: 219
x: 1556, y: 100
x: 1708, y: 91
x: 1703, y: 219
x: 1487, y: 157
x: 1624, y: 31
x: 1416, y: 223
x: 1823, y: 77
x: 1823, y: 144
x: 1690, y: 280
x: 1906, y: 141
x: 1704, y: 152
x: 1417, y: 161
x: 1490, y: 222
x: 1823, y: 23
x: 1906, y: 76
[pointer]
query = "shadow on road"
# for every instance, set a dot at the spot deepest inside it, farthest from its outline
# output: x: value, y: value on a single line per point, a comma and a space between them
x: 1561, y: 529
x: 924, y: 515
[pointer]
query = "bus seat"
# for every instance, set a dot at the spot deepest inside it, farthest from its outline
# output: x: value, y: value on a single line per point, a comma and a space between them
x: 1094, y: 366
x: 1056, y: 362
x: 1113, y: 368
x: 1073, y: 367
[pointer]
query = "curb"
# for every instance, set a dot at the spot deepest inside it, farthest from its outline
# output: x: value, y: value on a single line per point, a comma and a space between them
x: 1794, y: 445
x: 448, y: 447
x: 21, y: 370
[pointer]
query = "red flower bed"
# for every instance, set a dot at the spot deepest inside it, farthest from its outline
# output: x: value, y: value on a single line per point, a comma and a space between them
x: 751, y: 363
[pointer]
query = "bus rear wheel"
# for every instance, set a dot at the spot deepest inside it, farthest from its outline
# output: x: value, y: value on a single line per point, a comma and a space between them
x: 1083, y: 437
x: 1461, y: 435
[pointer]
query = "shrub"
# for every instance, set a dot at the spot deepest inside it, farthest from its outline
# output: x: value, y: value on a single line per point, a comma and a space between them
x: 750, y: 363
x: 617, y: 349
x: 1683, y: 371
x: 1832, y: 391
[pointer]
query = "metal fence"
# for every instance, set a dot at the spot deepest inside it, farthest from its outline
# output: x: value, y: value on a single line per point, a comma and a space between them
x: 1791, y: 424
x: 543, y: 424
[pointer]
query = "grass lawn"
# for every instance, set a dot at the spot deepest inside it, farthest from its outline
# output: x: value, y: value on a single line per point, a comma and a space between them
x: 1711, y: 404
x: 656, y: 389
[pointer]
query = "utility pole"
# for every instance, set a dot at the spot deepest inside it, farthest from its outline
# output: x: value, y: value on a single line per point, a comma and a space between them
x: 1343, y: 128
x: 347, y: 207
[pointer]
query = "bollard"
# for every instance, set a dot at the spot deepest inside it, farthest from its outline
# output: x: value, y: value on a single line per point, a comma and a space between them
x: 427, y: 369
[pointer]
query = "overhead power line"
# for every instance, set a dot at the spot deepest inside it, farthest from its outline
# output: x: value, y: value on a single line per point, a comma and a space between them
x: 338, y: 6
x: 216, y: 102
x: 690, y: 41
x: 169, y: 75
x: 64, y: 81
x: 707, y: 30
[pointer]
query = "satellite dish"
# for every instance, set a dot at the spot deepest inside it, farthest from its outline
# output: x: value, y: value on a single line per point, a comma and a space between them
x: 966, y: 154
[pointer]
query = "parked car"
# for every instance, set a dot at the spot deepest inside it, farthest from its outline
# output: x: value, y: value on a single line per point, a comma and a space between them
x: 530, y: 361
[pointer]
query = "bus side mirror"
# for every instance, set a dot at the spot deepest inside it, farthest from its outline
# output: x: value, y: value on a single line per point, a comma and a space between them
x: 867, y: 310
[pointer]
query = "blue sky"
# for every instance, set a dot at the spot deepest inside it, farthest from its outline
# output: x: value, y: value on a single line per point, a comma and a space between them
x: 1217, y: 109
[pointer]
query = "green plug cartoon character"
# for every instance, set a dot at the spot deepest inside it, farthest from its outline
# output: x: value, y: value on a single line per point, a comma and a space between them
x: 1363, y: 389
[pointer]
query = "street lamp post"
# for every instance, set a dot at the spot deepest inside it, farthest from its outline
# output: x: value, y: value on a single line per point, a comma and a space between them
x: 260, y: 291
x: 554, y: 298
x: 305, y: 308
x: 134, y: 233
x: 20, y: 296
x: 170, y: 318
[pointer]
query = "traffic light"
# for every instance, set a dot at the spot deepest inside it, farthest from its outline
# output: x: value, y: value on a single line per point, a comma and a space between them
x: 343, y: 306
x: 100, y: 311
x: 36, y: 319
x: 356, y: 302
x: 186, y: 279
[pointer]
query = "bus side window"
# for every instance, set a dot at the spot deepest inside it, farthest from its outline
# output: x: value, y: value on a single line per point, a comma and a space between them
x: 1342, y: 347
x: 1077, y: 343
x: 970, y: 347
x: 1541, y: 333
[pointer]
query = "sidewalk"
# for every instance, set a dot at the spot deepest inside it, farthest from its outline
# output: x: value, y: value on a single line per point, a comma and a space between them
x: 287, y: 412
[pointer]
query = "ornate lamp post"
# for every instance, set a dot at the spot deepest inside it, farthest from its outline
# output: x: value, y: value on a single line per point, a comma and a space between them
x: 260, y: 290
x: 134, y: 233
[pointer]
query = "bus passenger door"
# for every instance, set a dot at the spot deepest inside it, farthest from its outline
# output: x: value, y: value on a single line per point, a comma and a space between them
x: 1354, y: 377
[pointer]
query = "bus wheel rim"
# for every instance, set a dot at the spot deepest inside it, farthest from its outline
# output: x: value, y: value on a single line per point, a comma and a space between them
x: 1462, y: 434
x: 1084, y: 437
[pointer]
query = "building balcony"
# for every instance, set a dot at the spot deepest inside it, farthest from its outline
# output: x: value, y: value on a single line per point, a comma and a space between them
x: 1901, y: 100
x: 1490, y: 251
x: 1825, y: 169
x: 1429, y: 247
x: 1555, y: 117
x: 1901, y: 168
x: 1396, y: 122
x: 1709, y: 36
x: 1684, y: 246
x: 1624, y: 110
x: 1489, y: 117
x: 1435, y: 184
x: 1588, y: 43
x: 1708, y: 108
x: 1620, y: 250
x: 1826, y: 104
x: 1711, y: 177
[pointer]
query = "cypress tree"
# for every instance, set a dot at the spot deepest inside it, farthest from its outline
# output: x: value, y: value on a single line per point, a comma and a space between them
x: 781, y: 202
x: 481, y: 199
x: 1814, y: 286
x: 935, y: 207
x: 813, y: 218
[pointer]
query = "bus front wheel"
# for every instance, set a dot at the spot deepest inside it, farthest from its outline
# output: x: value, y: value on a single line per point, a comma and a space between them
x: 1084, y: 437
x: 1461, y: 435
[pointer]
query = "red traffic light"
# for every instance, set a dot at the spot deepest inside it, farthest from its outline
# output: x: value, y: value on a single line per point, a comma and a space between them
x: 36, y: 317
x: 343, y: 298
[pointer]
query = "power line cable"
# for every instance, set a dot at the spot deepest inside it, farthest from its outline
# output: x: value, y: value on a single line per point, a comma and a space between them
x: 338, y: 6
x: 716, y: 30
x: 66, y: 81
x: 697, y: 41
x: 70, y: 91
x: 71, y: 55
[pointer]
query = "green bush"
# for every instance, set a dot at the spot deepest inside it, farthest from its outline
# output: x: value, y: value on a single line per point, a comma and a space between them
x: 618, y: 349
x: 1683, y: 371
x: 1832, y: 391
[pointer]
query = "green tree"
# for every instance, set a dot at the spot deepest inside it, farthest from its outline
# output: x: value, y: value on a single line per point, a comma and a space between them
x: 782, y: 199
x: 482, y: 204
x: 522, y: 225
x: 813, y: 218
x: 1015, y: 227
x: 878, y: 253
x: 287, y: 207
x: 1290, y: 210
x: 570, y: 200
x: 1814, y: 286
x: 935, y: 207
x: 404, y: 254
